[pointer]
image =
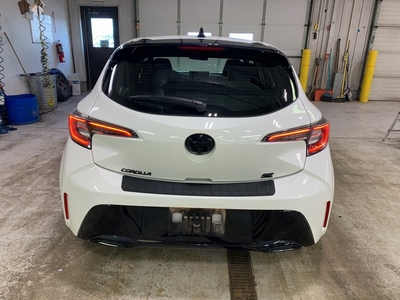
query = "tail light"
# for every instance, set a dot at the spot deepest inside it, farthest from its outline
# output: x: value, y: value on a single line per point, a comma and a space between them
x: 316, y: 136
x: 81, y: 129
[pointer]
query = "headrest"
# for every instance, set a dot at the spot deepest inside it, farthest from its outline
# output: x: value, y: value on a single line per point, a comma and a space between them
x: 162, y: 62
x: 231, y: 66
x: 233, y: 63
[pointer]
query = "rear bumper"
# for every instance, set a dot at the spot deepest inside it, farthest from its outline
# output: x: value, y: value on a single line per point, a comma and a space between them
x: 95, y: 199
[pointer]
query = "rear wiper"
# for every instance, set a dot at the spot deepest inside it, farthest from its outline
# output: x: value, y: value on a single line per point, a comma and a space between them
x: 213, y: 83
x: 198, y: 105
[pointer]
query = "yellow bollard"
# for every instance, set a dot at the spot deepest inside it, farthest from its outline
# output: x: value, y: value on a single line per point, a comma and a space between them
x: 305, y: 65
x: 368, y: 75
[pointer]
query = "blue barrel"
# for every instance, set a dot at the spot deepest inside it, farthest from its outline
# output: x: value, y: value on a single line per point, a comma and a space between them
x: 22, y: 109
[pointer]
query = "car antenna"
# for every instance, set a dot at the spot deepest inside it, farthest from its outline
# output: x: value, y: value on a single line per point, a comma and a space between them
x: 201, y: 34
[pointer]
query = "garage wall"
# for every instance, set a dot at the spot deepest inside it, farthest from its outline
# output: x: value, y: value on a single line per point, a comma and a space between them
x: 334, y: 20
x: 386, y: 81
x: 281, y: 23
x: 18, y: 29
x: 289, y: 25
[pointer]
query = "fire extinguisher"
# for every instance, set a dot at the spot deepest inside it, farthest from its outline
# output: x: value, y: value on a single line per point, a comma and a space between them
x: 60, y: 52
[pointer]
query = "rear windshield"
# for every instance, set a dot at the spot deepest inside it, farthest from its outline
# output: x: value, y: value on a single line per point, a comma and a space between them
x: 189, y: 80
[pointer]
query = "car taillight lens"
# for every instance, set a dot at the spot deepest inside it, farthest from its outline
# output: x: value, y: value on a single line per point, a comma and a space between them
x: 81, y: 130
x: 319, y: 138
x: 315, y: 136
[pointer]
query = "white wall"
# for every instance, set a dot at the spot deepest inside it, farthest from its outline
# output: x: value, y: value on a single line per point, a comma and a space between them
x: 18, y: 30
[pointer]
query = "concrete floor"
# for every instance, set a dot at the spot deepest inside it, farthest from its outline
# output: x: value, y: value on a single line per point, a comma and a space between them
x: 358, y: 258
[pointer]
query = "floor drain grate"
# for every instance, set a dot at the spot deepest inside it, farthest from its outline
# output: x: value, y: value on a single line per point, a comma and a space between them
x: 241, y: 275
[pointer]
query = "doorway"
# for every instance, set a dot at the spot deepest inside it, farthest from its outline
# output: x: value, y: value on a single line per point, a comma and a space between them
x: 101, y: 38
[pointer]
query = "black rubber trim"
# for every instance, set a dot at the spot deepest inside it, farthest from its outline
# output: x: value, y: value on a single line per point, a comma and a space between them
x: 138, y: 185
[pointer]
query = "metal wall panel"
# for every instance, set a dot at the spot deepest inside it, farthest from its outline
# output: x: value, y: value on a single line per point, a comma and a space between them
x: 196, y: 14
x: 388, y: 65
x: 240, y: 19
x: 389, y: 13
x: 238, y: 12
x: 285, y: 27
x: 204, y: 11
x: 385, y: 89
x: 287, y: 12
x: 157, y: 18
x: 286, y: 37
x: 387, y: 39
x: 386, y: 81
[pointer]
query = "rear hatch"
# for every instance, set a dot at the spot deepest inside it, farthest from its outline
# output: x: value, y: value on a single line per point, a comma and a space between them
x: 200, y: 109
x: 160, y: 152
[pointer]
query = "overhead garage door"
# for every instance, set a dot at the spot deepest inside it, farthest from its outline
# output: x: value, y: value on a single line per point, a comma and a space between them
x: 386, y: 81
x: 279, y: 22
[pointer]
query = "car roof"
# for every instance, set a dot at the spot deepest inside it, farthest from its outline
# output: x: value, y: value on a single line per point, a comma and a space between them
x: 210, y: 41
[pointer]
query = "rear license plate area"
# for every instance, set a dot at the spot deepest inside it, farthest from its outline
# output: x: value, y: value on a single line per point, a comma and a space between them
x: 190, y: 221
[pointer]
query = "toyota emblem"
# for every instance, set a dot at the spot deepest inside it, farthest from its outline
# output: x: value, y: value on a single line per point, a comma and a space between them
x: 199, y: 144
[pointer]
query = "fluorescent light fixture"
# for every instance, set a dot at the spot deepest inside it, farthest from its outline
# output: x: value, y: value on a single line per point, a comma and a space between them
x: 242, y: 36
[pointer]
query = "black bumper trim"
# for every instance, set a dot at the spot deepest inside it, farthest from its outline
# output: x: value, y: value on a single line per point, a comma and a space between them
x: 126, y: 242
x: 138, y: 185
x: 251, y: 229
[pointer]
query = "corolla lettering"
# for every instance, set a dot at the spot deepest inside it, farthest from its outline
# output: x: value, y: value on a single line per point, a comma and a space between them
x: 125, y: 170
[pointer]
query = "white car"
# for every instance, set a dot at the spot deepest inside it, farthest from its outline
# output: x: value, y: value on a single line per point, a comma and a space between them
x: 194, y: 141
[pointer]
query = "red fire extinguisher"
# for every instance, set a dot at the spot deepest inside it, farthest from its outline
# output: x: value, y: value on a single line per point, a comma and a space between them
x: 60, y: 52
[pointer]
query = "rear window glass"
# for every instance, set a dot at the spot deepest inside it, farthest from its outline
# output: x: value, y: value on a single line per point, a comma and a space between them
x: 189, y: 80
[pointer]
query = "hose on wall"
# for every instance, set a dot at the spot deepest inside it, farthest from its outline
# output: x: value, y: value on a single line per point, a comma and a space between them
x: 2, y: 102
x: 48, y: 82
x: 1, y: 59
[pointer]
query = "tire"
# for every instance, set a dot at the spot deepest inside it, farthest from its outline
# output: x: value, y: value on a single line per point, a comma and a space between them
x: 63, y: 87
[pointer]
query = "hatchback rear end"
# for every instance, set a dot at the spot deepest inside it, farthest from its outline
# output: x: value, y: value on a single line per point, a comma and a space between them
x: 198, y: 142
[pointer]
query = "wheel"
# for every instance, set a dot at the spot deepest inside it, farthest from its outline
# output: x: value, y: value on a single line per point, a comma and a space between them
x: 63, y: 88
